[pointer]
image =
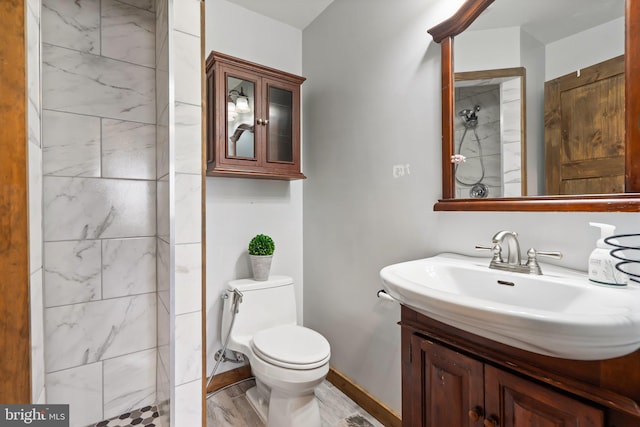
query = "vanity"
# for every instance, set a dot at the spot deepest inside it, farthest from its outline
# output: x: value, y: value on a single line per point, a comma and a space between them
x: 490, y: 347
x: 487, y: 348
x: 454, y: 378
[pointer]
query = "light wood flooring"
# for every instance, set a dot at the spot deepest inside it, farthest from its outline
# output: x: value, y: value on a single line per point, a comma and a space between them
x: 230, y: 408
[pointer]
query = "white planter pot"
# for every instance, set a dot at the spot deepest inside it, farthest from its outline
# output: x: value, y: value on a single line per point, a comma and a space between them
x: 261, y: 265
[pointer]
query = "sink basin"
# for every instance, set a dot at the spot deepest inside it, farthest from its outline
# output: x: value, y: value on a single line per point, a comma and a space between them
x: 560, y: 313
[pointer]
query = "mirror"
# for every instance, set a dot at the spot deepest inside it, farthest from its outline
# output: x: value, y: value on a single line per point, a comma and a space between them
x: 478, y: 32
x: 240, y: 118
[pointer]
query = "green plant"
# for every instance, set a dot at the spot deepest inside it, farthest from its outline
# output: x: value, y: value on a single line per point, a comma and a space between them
x: 261, y: 245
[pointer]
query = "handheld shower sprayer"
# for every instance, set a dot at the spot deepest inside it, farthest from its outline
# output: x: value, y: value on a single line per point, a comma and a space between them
x: 469, y: 115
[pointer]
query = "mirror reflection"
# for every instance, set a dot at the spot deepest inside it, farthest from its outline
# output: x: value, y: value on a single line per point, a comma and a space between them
x: 240, y: 118
x: 490, y: 134
x: 574, y: 131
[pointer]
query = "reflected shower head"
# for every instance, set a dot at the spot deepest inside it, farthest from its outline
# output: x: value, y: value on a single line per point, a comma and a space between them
x: 469, y: 116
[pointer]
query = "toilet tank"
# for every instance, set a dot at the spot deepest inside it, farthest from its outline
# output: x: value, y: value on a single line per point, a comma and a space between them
x: 265, y: 304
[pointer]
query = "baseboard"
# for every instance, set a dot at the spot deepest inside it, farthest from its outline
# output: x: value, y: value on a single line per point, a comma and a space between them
x: 229, y: 377
x: 377, y: 409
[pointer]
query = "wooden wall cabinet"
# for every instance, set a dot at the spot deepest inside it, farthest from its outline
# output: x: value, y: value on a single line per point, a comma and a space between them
x: 253, y: 120
x: 453, y: 378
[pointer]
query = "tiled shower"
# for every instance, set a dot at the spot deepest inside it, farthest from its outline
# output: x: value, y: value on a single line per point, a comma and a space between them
x: 121, y: 207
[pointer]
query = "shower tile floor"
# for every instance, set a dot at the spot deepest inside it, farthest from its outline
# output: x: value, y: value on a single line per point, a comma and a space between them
x: 230, y: 408
x: 145, y: 417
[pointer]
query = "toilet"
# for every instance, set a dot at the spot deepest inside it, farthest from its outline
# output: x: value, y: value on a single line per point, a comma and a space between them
x: 288, y: 360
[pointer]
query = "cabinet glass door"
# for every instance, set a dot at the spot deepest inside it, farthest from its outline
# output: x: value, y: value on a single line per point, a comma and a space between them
x: 241, y: 140
x: 280, y: 125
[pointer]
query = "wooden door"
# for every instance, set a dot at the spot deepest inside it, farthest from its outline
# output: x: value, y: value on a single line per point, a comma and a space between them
x: 447, y: 386
x: 515, y: 402
x: 584, y: 131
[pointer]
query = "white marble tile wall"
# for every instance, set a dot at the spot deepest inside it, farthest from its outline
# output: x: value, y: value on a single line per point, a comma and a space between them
x: 128, y: 266
x: 81, y: 389
x: 99, y: 330
x: 93, y: 208
x: 128, y: 150
x: 126, y: 32
x: 72, y: 272
x: 186, y: 60
x: 188, y: 405
x: 34, y: 112
x: 72, y: 24
x: 510, y: 95
x: 84, y: 83
x: 99, y: 162
x: 74, y: 153
x: 163, y: 259
x: 137, y: 373
x: 488, y: 133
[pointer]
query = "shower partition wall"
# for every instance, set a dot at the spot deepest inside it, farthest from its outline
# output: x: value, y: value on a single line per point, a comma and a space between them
x: 122, y: 204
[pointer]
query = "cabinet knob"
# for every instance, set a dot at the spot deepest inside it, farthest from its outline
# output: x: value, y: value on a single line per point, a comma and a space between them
x: 259, y: 121
x: 475, y: 413
x: 265, y: 121
x: 491, y: 422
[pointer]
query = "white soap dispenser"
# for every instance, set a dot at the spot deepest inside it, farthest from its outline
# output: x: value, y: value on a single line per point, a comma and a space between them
x: 602, y: 266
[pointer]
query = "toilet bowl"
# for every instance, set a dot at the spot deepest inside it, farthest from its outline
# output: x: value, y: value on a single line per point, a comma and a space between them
x: 288, y: 360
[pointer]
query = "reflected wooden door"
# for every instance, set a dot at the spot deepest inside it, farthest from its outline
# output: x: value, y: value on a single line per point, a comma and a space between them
x: 584, y: 131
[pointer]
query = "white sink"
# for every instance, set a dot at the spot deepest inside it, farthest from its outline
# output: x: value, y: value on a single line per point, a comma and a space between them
x: 559, y: 314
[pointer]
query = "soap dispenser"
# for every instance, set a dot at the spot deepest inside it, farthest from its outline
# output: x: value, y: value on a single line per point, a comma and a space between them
x: 602, y: 266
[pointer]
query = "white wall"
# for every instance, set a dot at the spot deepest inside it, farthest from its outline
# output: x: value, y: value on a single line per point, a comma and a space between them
x: 357, y: 216
x: 585, y: 48
x: 240, y: 208
x: 487, y: 49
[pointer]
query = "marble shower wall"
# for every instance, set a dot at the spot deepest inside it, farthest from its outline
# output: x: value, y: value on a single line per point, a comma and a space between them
x: 512, y: 134
x: 186, y: 146
x: 488, y: 131
x: 179, y: 192
x: 99, y: 185
x: 163, y: 241
x: 34, y: 112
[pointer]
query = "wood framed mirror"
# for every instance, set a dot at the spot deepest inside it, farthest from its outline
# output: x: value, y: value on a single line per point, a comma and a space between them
x: 627, y: 201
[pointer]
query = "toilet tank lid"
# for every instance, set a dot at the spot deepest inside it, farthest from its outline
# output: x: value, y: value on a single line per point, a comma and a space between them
x: 252, y: 285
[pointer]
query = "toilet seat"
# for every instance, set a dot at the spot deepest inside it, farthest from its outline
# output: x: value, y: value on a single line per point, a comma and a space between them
x: 292, y: 347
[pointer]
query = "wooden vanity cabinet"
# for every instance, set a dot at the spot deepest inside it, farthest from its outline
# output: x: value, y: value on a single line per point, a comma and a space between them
x: 453, y: 378
x: 457, y: 390
x: 253, y: 120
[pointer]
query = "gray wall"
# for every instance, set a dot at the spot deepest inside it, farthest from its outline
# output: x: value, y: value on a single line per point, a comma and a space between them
x: 240, y: 208
x: 372, y: 101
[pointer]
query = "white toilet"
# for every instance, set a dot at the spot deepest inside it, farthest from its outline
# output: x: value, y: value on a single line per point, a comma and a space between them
x: 289, y: 361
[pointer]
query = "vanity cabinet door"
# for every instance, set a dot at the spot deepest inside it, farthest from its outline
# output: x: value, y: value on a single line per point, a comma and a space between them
x: 447, y: 387
x: 512, y: 401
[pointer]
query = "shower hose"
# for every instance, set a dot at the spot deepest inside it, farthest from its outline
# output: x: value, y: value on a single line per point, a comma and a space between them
x: 470, y: 184
x: 237, y: 299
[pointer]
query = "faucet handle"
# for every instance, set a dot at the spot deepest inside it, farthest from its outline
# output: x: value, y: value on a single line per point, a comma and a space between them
x: 550, y: 254
x: 495, y: 249
x: 532, y: 259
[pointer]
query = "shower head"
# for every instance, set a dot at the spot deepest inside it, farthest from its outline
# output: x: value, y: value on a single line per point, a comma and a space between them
x: 469, y: 116
x: 468, y: 112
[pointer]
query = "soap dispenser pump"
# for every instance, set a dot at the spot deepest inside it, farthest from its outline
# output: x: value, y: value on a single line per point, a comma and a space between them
x: 602, y: 266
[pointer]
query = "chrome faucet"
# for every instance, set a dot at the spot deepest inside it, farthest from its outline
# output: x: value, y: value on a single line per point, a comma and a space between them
x: 514, y: 260
x: 513, y: 246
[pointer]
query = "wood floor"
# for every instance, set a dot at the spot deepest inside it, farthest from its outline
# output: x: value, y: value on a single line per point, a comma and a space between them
x: 230, y: 408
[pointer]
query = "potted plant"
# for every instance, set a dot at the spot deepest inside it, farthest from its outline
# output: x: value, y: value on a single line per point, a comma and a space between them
x: 261, y: 249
